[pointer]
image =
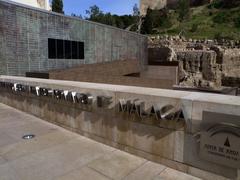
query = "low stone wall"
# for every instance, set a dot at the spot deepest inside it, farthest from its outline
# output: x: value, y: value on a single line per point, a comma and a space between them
x: 231, y: 81
x: 158, y: 54
x: 169, y: 73
x: 115, y: 73
x: 115, y: 68
x: 104, y: 117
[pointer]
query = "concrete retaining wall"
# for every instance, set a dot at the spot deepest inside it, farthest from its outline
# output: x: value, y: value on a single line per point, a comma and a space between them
x: 172, y: 143
x: 24, y: 33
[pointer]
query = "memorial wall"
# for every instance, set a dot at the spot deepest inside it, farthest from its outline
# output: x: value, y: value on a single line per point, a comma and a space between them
x: 33, y: 39
x: 197, y: 133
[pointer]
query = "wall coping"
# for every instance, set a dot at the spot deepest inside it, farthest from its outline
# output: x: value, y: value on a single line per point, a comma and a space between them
x: 183, y: 95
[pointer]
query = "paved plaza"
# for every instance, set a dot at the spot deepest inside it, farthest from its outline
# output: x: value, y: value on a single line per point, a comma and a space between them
x: 56, y: 153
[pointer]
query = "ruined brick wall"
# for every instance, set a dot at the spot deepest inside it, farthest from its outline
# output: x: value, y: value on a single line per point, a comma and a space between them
x: 200, y: 66
x: 231, y: 63
x: 209, y: 62
x: 24, y: 34
x: 198, y: 62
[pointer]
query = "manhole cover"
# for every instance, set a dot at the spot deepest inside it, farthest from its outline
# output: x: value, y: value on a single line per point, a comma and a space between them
x: 28, y: 136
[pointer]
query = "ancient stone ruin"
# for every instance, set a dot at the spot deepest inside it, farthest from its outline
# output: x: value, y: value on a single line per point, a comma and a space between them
x: 202, y: 63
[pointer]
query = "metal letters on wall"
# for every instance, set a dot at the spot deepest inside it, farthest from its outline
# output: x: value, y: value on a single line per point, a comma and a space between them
x: 168, y: 112
x: 103, y: 101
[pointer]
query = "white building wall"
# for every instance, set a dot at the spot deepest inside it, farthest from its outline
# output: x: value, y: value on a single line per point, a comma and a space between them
x: 44, y: 4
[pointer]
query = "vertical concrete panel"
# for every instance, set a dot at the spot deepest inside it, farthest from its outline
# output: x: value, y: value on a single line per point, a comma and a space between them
x: 3, y: 65
x: 22, y: 40
x: 116, y: 44
x: 124, y: 47
x: 108, y: 45
x: 10, y: 40
x: 99, y: 43
x: 43, y: 41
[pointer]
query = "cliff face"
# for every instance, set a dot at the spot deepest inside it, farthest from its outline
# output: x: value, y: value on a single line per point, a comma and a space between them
x: 152, y: 4
x: 159, y: 4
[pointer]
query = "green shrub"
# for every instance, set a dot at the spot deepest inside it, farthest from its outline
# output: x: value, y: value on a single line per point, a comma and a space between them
x: 194, y: 28
x: 237, y: 21
x: 173, y: 31
x: 221, y: 17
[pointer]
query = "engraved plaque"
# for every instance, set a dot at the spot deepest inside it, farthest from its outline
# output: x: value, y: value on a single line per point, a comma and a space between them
x: 220, y: 139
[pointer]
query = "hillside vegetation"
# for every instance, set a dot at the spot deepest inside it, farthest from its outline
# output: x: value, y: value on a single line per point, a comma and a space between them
x: 211, y: 21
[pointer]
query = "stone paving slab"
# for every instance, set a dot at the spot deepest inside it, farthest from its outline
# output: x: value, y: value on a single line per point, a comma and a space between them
x: 171, y: 174
x: 57, y: 154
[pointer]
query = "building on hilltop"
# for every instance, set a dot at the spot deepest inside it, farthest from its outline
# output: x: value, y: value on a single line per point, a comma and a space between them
x: 43, y: 4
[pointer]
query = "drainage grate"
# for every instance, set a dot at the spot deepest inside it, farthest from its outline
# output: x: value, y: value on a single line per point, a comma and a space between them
x: 28, y: 136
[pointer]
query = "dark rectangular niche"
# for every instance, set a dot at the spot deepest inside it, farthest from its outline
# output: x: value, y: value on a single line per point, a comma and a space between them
x: 74, y: 50
x: 80, y: 50
x: 68, y: 50
x: 65, y: 49
x: 52, y: 53
x: 60, y: 49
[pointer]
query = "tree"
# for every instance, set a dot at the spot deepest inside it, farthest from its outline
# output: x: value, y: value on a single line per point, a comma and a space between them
x: 125, y: 21
x: 136, y: 26
x: 147, y: 26
x: 136, y: 10
x: 183, y: 9
x: 57, y: 6
x: 78, y: 16
x: 95, y: 14
x: 155, y: 20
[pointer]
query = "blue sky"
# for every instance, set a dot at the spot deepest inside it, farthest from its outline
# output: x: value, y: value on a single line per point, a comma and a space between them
x: 119, y: 7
